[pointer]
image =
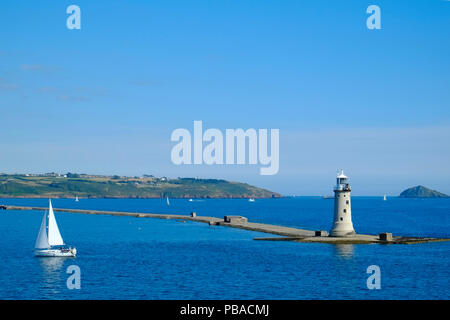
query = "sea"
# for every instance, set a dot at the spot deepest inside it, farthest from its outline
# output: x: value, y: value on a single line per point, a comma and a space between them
x: 144, y: 258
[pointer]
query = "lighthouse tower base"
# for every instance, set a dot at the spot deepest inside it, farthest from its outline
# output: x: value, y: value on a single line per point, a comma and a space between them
x: 342, y: 231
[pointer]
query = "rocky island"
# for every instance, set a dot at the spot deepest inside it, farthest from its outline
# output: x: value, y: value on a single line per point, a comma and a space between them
x: 421, y: 192
x: 52, y: 185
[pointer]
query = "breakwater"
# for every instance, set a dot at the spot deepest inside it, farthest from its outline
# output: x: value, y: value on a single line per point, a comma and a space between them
x: 283, y: 233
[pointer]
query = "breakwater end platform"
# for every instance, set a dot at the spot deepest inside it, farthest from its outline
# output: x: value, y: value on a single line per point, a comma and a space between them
x: 285, y: 233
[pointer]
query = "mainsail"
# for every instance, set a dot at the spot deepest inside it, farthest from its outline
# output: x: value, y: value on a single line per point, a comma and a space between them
x: 54, y: 237
x: 41, y: 240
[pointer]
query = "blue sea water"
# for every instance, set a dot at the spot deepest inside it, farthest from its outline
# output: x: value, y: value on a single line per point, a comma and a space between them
x: 141, y: 258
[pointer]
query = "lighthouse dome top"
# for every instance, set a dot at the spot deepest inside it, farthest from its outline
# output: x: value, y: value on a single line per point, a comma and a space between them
x: 341, y: 175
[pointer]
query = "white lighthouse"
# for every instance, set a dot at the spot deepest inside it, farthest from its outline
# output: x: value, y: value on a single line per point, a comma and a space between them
x: 342, y: 225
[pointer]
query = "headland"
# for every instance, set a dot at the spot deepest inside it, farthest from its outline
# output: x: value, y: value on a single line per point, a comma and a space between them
x: 70, y: 185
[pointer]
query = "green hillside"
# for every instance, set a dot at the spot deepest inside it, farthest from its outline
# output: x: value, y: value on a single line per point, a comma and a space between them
x: 90, y: 186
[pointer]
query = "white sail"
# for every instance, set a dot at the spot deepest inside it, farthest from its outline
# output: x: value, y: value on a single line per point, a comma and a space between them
x: 168, y: 203
x: 54, y: 237
x: 41, y: 240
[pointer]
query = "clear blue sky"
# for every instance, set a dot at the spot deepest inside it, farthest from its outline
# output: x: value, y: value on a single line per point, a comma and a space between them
x: 105, y: 99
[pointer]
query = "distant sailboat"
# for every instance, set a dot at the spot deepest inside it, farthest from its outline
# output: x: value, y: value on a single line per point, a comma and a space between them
x: 49, y: 241
x: 384, y: 198
x: 251, y: 200
x: 167, y: 199
x: 76, y: 199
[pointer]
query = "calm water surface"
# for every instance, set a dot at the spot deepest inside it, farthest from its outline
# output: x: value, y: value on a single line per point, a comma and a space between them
x: 134, y: 258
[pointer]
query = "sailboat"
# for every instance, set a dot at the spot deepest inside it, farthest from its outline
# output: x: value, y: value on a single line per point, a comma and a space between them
x: 251, y: 200
x: 76, y: 199
x: 49, y: 242
x: 167, y: 199
x: 384, y: 198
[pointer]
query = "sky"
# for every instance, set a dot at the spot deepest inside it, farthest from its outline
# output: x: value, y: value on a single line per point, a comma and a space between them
x: 105, y: 99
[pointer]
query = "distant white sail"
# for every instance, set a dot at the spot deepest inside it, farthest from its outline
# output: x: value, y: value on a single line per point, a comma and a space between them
x: 384, y: 198
x: 54, y: 237
x: 41, y: 240
x: 168, y: 203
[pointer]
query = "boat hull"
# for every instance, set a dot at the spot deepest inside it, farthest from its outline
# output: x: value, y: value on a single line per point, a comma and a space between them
x: 56, y: 252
